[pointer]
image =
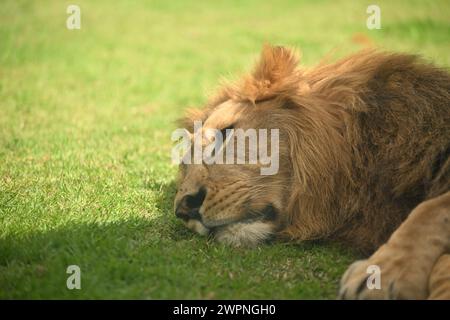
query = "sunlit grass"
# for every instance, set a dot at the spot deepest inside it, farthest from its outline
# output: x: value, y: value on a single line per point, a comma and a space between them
x: 85, y: 123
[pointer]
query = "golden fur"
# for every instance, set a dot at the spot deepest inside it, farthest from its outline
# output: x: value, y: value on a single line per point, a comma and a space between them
x: 363, y: 141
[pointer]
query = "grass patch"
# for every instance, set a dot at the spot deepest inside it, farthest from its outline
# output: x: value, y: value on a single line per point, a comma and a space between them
x: 85, y: 123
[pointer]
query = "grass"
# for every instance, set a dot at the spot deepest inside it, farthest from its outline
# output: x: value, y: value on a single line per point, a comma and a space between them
x: 85, y: 123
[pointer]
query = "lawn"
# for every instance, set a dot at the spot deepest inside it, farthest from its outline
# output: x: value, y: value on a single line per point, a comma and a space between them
x: 85, y: 123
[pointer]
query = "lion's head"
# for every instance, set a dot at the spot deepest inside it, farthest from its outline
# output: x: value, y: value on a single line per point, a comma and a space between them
x: 236, y: 202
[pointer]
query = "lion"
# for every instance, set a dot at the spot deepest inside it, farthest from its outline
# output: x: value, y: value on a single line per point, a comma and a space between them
x: 363, y: 160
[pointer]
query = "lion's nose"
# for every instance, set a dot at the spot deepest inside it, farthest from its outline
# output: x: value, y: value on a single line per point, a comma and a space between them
x: 189, y: 206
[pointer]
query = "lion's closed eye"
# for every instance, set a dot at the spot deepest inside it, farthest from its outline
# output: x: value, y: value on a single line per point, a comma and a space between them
x: 227, y: 131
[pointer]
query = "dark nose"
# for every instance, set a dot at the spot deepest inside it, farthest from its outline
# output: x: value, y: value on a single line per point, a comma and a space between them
x: 189, y: 206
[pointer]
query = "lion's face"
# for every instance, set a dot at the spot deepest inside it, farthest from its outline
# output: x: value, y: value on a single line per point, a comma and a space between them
x: 243, y: 202
x: 235, y: 203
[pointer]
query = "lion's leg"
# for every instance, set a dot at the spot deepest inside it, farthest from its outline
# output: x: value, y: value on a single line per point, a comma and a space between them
x: 407, y: 259
x: 439, y: 284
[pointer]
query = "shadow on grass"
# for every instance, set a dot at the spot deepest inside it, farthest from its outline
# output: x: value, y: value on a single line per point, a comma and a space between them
x: 116, y: 259
x: 158, y: 257
x: 165, y: 192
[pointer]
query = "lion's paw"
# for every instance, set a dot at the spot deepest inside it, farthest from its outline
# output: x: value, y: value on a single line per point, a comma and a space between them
x: 390, y: 273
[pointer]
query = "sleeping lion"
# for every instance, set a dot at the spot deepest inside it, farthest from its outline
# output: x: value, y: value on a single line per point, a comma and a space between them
x: 363, y: 154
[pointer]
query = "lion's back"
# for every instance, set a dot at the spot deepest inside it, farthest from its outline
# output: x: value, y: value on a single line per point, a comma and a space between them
x: 401, y: 146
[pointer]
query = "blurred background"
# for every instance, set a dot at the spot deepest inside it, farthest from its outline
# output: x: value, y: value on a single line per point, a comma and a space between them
x: 85, y: 123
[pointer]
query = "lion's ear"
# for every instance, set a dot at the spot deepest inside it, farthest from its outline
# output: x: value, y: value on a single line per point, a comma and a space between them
x: 275, y: 73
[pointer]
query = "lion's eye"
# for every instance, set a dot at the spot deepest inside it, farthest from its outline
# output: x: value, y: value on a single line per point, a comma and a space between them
x: 222, y: 139
x: 226, y: 131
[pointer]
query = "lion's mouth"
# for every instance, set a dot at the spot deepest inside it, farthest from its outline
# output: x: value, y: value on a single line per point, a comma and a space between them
x: 197, y: 226
x: 204, y: 228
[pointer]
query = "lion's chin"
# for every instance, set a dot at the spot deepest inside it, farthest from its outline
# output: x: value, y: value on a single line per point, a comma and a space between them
x: 197, y: 227
x: 244, y: 234
x: 239, y: 234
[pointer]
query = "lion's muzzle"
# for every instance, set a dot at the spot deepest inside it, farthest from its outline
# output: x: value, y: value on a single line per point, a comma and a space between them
x: 189, y: 206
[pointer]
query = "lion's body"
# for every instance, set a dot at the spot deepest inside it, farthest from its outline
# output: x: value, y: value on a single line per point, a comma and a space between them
x: 364, y: 151
x: 395, y: 153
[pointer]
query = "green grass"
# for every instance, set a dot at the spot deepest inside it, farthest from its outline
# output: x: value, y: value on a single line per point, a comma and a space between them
x: 85, y: 124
